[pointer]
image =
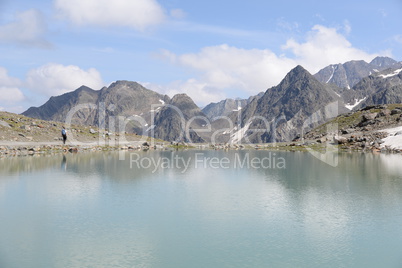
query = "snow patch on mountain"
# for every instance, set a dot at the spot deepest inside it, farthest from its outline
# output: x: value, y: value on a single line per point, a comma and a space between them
x: 394, y: 73
x: 332, y: 75
x: 240, y: 134
x: 357, y: 102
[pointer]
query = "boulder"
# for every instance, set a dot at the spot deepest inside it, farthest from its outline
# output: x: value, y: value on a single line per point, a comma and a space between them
x: 73, y: 150
x: 26, y: 127
x: 340, y: 140
x: 158, y: 147
x: 369, y: 117
x: 297, y: 137
x: 385, y: 112
x: 365, y: 123
x: 347, y: 131
x: 4, y: 124
x: 367, y: 127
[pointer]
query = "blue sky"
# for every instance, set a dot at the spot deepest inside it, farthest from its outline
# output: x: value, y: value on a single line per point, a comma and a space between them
x: 208, y: 49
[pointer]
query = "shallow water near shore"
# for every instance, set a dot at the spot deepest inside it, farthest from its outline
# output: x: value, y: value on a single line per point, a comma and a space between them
x: 200, y: 209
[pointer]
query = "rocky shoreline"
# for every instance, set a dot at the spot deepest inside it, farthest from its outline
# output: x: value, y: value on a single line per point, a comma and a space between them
x: 363, y: 130
x: 29, y: 149
x: 363, y: 144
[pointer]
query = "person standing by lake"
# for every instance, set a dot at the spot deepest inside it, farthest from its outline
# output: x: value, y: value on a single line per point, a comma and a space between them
x: 64, y: 134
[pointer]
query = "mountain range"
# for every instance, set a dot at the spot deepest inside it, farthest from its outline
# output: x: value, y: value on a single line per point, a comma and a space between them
x: 98, y: 107
x: 347, y: 75
x: 227, y: 106
x: 301, y: 101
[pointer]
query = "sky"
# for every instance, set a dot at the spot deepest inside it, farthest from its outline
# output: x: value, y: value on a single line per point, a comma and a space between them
x: 210, y: 50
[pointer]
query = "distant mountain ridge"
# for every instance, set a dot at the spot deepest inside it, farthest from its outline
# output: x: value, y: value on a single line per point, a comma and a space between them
x: 301, y: 101
x: 380, y: 88
x: 227, y: 106
x: 348, y: 74
x: 94, y: 107
x: 56, y: 108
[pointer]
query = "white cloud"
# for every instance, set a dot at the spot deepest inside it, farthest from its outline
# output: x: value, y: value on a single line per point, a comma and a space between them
x: 224, y: 66
x: 137, y: 14
x: 55, y: 79
x: 28, y: 29
x: 10, y: 94
x: 6, y: 80
x: 13, y: 109
x: 223, y: 69
x: 325, y: 46
x: 9, y: 91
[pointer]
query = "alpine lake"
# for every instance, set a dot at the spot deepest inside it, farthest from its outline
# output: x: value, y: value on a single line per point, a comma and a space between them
x: 200, y: 208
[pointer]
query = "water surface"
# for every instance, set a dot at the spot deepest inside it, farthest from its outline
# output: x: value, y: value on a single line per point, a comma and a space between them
x: 94, y: 210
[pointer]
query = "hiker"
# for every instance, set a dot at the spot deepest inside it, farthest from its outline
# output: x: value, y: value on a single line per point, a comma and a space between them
x: 64, y: 135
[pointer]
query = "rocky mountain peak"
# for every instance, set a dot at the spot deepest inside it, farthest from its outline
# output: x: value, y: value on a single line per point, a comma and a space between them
x: 297, y: 72
x: 383, y: 62
x: 180, y: 98
x: 125, y: 86
x: 183, y: 102
x: 288, y: 107
x: 298, y: 79
x: 171, y: 124
x: 84, y: 88
x: 125, y: 83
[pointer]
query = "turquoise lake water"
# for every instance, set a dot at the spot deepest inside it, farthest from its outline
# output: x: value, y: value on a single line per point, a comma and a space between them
x: 224, y: 209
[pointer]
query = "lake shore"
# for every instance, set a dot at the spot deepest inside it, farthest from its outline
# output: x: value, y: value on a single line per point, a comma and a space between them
x: 34, y: 148
x: 11, y: 149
